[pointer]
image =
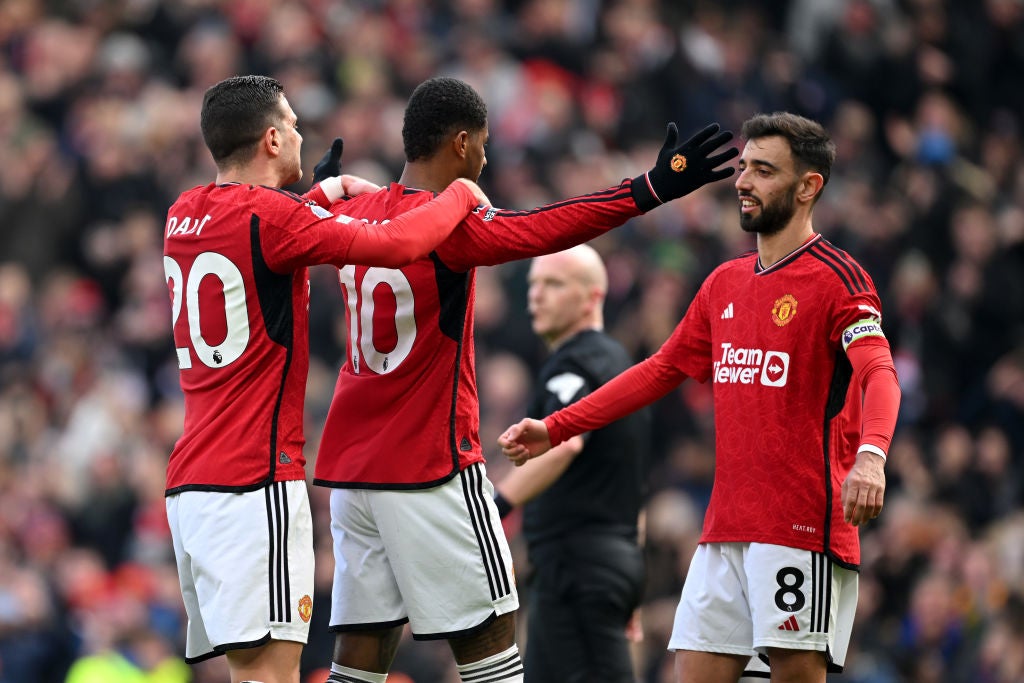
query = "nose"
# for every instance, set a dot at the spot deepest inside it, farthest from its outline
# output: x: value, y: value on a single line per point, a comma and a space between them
x: 743, y: 180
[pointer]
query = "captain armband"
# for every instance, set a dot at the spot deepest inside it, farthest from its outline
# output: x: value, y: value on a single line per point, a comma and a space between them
x: 868, y: 327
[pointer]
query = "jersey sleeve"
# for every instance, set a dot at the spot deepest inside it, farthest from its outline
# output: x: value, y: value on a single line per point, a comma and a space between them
x: 317, y: 196
x: 631, y: 390
x: 311, y: 235
x: 490, y: 236
x: 874, y: 370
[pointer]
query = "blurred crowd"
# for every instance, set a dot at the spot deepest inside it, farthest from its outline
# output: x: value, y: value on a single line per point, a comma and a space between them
x: 99, y: 132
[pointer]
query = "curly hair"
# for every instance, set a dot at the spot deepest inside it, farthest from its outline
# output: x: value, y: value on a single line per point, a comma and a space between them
x: 236, y: 112
x: 438, y: 108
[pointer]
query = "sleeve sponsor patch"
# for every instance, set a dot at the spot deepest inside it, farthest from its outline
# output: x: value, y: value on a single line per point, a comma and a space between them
x: 565, y: 386
x: 319, y: 211
x: 861, y: 329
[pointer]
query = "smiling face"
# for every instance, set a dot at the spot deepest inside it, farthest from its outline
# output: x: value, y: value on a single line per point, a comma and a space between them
x: 767, y: 185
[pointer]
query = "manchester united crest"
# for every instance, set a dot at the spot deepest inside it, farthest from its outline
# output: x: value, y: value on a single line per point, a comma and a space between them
x: 678, y: 163
x: 305, y: 608
x: 784, y: 310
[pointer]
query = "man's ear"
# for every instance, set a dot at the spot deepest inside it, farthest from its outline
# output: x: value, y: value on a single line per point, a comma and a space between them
x: 810, y: 186
x: 272, y: 141
x: 460, y: 144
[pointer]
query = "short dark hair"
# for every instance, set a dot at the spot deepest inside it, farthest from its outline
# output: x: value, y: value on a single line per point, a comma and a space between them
x: 809, y: 142
x: 438, y: 108
x: 236, y: 112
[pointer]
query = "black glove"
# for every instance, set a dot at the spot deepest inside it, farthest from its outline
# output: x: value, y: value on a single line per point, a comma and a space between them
x: 682, y: 169
x: 329, y: 165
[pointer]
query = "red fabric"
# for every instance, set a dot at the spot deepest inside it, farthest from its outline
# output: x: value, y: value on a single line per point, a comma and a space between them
x: 875, y: 372
x: 235, y: 261
x: 405, y: 412
x: 790, y: 410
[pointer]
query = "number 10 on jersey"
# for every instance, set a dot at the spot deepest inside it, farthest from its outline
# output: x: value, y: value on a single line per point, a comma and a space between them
x: 363, y: 317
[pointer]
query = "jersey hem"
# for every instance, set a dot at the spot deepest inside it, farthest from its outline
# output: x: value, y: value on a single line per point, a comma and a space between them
x: 224, y: 488
x: 830, y: 554
x: 385, y: 486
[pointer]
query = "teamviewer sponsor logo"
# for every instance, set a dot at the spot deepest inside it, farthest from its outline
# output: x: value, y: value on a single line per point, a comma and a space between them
x: 776, y: 369
x: 749, y: 366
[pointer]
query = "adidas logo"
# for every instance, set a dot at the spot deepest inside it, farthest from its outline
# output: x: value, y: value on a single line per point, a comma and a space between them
x: 790, y: 624
x: 284, y: 459
x: 727, y: 313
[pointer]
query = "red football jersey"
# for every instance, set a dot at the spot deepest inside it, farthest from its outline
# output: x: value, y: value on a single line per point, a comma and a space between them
x: 787, y: 416
x: 405, y: 412
x: 235, y: 260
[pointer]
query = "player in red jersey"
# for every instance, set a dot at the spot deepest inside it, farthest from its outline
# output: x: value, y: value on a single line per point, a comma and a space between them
x: 235, y: 258
x: 805, y: 398
x: 416, y: 533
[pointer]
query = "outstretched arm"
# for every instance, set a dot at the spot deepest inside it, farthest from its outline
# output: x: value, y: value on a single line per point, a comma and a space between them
x: 415, y: 233
x: 864, y: 489
x: 631, y: 390
x: 502, y: 235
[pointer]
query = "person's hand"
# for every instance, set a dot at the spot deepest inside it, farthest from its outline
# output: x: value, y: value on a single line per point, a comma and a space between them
x: 329, y: 165
x: 481, y: 198
x: 526, y: 439
x: 353, y: 185
x: 864, y: 489
x: 681, y: 169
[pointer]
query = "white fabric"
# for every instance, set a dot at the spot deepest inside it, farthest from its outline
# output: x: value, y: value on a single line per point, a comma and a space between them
x: 233, y: 593
x: 795, y: 599
x: 437, y: 557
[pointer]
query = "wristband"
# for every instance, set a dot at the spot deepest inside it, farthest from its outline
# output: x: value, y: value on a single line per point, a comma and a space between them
x: 504, y: 507
x: 872, y: 449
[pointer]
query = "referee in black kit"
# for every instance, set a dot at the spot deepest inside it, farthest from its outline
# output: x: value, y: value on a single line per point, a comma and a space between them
x: 582, y: 499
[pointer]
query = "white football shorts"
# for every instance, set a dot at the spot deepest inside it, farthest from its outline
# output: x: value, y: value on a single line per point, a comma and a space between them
x: 436, y: 557
x: 245, y: 564
x: 795, y: 599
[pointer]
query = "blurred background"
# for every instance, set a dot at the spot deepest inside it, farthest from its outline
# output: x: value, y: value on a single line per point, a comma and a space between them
x: 99, y: 132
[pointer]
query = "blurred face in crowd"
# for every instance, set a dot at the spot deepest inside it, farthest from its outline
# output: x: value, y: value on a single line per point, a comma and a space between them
x: 566, y: 290
x: 767, y: 185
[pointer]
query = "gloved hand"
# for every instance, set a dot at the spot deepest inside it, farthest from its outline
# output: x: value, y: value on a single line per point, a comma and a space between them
x: 681, y: 169
x: 329, y: 165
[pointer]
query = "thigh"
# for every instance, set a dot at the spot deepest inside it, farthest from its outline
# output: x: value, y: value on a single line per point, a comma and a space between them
x: 713, y: 614
x: 448, y: 553
x: 245, y: 564
x: 800, y: 600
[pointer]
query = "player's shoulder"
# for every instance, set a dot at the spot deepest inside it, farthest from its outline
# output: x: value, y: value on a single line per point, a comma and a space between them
x: 593, y: 352
x: 275, y: 194
x: 838, y: 267
x: 393, y: 199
